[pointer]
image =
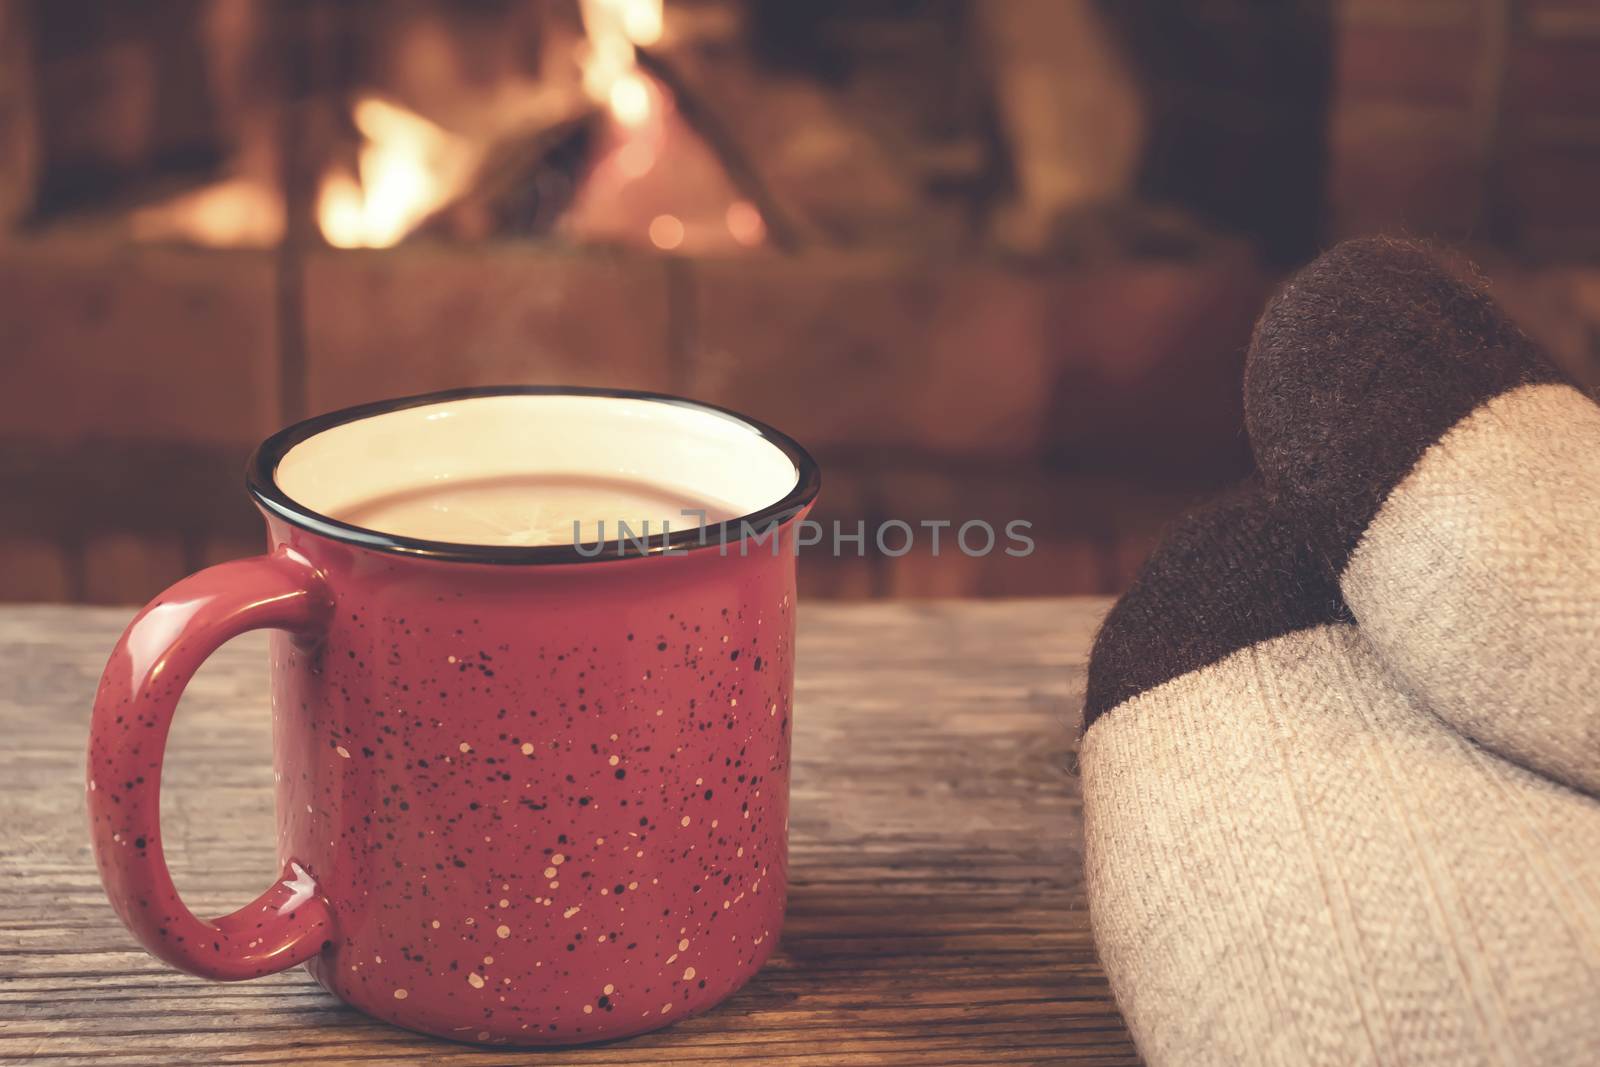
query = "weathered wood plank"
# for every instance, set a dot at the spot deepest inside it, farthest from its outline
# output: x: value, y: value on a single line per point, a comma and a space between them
x: 936, y: 915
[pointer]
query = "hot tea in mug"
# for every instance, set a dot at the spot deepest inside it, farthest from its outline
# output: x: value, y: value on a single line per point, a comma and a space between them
x: 532, y: 789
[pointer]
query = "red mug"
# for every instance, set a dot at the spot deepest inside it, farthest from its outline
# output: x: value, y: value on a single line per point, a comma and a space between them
x: 526, y: 795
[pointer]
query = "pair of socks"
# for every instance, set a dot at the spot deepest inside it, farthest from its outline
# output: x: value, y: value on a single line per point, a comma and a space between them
x: 1342, y: 735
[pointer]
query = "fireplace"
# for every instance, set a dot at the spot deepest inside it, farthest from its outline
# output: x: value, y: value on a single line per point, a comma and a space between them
x: 990, y: 261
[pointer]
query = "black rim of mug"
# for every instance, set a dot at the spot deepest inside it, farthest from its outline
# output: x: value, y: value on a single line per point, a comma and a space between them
x: 261, y: 480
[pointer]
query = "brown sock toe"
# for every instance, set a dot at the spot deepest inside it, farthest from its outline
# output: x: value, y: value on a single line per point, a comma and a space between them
x: 1358, y: 365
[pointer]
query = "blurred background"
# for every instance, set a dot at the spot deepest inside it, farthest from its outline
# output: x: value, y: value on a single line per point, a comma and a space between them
x: 988, y: 258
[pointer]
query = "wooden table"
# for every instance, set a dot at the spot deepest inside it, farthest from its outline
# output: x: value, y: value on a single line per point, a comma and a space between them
x: 936, y: 911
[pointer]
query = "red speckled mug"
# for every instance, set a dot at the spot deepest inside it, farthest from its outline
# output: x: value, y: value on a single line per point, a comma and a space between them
x: 526, y: 795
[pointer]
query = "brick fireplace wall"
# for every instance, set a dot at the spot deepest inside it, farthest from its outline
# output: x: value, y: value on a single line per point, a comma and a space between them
x: 138, y: 379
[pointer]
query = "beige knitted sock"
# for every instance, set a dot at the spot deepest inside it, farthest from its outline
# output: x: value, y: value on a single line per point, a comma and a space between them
x: 1289, y: 862
x: 1452, y: 481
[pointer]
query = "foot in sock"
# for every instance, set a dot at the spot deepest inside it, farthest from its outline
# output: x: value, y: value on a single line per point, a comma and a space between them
x: 1451, y: 480
x: 1291, y: 862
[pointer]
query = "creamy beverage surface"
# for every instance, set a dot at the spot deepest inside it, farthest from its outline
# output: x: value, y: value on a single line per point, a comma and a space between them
x: 533, y: 509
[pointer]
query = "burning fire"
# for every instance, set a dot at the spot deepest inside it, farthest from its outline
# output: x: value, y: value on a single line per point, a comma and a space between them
x: 655, y: 176
x: 652, y: 178
x: 610, y: 67
x: 408, y: 168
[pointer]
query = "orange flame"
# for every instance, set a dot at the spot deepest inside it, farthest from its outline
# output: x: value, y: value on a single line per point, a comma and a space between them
x: 614, y: 29
x: 408, y: 167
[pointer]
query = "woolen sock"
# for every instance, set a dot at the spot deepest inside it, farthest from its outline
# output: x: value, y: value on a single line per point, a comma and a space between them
x: 1290, y: 862
x: 1451, y: 479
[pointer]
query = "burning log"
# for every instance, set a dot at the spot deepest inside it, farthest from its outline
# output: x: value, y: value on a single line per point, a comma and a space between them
x: 523, y: 185
x: 703, y: 120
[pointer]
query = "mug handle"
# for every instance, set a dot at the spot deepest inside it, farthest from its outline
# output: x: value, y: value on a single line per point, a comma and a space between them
x: 157, y: 655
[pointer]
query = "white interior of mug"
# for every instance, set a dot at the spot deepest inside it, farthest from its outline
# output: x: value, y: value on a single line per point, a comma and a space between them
x: 562, y: 446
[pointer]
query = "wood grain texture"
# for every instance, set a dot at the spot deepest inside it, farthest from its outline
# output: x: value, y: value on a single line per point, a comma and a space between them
x: 936, y: 916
